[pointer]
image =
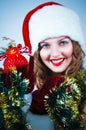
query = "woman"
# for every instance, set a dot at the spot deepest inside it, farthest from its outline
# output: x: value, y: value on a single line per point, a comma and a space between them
x: 54, y: 36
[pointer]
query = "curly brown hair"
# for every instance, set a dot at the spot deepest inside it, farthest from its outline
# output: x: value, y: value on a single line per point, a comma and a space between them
x: 41, y: 72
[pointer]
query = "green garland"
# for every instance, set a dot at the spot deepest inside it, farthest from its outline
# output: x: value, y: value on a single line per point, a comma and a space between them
x: 11, y: 101
x: 63, y: 103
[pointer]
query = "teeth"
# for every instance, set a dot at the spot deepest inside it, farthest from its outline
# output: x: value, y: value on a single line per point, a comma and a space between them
x: 57, y: 61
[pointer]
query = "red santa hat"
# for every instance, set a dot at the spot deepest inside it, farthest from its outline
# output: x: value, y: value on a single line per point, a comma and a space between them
x: 49, y: 20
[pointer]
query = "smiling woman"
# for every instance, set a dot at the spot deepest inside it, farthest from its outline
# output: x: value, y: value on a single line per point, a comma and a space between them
x: 54, y: 36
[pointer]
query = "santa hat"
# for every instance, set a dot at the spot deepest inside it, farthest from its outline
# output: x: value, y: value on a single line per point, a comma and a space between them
x: 49, y: 20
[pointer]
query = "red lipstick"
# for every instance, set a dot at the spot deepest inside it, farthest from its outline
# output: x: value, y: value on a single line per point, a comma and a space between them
x: 57, y: 62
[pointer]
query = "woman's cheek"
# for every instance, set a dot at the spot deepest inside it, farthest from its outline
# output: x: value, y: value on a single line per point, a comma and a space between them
x: 44, y: 54
x: 68, y: 53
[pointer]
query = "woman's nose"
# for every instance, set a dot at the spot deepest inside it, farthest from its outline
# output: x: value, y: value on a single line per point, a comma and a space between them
x: 55, y: 51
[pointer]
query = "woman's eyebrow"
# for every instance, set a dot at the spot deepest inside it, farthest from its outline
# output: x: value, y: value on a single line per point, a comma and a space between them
x: 66, y: 37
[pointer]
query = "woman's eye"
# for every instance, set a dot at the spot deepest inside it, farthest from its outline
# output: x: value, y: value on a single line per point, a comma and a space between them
x: 63, y: 42
x: 45, y: 45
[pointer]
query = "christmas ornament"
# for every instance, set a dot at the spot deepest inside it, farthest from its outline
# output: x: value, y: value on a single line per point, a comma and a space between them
x: 14, y: 56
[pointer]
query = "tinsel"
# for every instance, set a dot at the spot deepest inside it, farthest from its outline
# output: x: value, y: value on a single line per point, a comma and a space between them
x: 11, y: 101
x: 63, y: 103
x: 80, y: 77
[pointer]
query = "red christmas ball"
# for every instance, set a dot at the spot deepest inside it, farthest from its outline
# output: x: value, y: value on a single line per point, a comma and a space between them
x: 14, y: 59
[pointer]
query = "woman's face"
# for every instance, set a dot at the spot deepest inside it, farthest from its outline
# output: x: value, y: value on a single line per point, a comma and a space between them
x: 56, y: 53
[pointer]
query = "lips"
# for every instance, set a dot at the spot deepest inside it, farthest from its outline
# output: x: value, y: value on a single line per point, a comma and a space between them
x: 57, y: 62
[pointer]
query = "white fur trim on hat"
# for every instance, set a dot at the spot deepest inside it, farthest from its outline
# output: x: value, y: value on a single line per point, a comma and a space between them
x: 54, y: 21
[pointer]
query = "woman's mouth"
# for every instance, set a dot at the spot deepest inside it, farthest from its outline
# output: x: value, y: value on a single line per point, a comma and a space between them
x: 57, y: 62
